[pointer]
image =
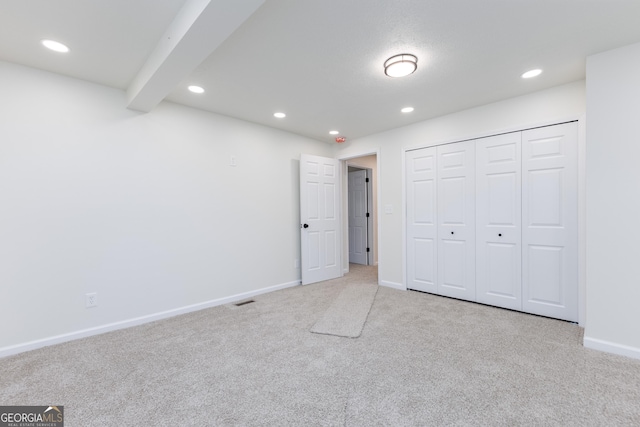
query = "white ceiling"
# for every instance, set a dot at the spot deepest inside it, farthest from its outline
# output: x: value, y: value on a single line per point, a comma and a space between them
x: 318, y: 61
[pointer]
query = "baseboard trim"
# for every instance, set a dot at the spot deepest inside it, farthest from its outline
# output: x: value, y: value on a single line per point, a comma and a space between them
x: 393, y: 285
x: 58, y: 339
x: 611, y: 347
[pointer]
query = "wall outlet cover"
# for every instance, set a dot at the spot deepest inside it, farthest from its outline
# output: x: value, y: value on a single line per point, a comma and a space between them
x: 91, y: 300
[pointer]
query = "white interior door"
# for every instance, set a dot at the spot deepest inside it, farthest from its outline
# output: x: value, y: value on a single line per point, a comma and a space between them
x: 371, y: 219
x: 456, y: 220
x: 550, y: 221
x: 358, y: 241
x: 319, y: 213
x: 420, y: 167
x: 498, y: 221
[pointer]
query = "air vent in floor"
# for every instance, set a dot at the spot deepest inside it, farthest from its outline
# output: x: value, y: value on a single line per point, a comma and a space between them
x: 238, y: 304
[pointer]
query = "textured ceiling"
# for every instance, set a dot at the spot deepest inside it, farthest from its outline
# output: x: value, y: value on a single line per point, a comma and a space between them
x: 109, y: 40
x: 321, y: 61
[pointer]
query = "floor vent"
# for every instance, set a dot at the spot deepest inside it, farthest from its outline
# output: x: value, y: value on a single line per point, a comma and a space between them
x: 243, y: 303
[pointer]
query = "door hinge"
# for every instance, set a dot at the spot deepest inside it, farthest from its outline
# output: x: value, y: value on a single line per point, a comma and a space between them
x: 367, y: 214
x: 366, y: 180
x: 367, y: 249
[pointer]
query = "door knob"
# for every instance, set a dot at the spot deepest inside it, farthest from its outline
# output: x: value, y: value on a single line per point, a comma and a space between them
x: 305, y: 225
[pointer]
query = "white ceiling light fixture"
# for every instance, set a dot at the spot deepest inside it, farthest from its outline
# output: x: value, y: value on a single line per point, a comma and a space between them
x: 333, y: 132
x: 401, y: 65
x: 532, y: 73
x: 407, y: 109
x: 55, y: 46
x: 196, y: 89
x: 279, y: 115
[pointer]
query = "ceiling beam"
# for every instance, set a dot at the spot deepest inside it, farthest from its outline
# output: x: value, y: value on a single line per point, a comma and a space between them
x: 197, y: 30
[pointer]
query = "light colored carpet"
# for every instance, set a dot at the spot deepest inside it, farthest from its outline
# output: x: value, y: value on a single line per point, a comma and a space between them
x: 346, y: 316
x: 421, y: 360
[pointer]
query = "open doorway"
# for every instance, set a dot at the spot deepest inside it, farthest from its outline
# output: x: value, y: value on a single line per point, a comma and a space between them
x: 360, y: 218
x: 360, y: 231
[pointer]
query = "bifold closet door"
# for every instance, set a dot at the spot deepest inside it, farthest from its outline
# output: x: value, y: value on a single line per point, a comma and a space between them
x: 456, y: 220
x: 498, y: 221
x: 550, y: 221
x: 421, y: 220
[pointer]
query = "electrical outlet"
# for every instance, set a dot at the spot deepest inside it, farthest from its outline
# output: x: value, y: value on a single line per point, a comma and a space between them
x: 296, y: 263
x: 91, y: 300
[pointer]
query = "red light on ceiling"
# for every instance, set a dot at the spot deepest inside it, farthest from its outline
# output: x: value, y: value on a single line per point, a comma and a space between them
x: 340, y: 139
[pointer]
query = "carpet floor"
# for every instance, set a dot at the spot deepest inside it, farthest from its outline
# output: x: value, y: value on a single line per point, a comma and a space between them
x: 348, y: 313
x: 421, y: 360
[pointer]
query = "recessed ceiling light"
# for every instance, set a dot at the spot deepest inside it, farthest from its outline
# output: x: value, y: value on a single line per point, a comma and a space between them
x: 532, y: 73
x: 196, y: 89
x: 400, y: 65
x: 279, y: 115
x: 55, y: 46
x: 407, y: 109
x: 333, y: 132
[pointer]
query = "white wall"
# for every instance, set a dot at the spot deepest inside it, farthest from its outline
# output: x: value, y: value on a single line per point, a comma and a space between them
x: 143, y: 209
x: 613, y: 201
x: 556, y: 104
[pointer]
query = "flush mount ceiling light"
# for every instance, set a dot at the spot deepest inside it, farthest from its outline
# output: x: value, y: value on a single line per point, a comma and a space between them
x: 55, y: 46
x: 279, y: 115
x: 196, y: 89
x: 532, y: 73
x: 333, y: 132
x: 400, y: 65
x: 407, y: 109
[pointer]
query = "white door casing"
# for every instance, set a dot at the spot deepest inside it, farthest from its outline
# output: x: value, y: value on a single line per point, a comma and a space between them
x: 550, y: 221
x: 371, y: 237
x: 498, y: 221
x: 456, y: 219
x: 421, y: 220
x: 320, y: 231
x: 358, y: 206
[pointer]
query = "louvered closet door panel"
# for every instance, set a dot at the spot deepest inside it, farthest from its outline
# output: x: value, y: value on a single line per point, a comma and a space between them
x: 421, y: 219
x: 498, y: 221
x: 456, y: 220
x: 549, y: 221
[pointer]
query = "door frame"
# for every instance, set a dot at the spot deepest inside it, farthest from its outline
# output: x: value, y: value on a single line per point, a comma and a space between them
x: 344, y: 158
x: 371, y: 242
x: 582, y: 210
